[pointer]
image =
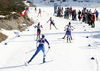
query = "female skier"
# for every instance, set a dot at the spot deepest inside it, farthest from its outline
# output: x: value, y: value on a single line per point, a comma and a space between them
x: 51, y: 22
x: 69, y: 25
x: 38, y: 30
x: 41, y: 42
x: 35, y: 8
x: 39, y: 12
x: 68, y: 33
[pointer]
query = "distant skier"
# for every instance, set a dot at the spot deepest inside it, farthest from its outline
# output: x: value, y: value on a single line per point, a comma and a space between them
x: 35, y: 8
x: 51, y: 22
x: 69, y: 25
x: 38, y: 30
x: 39, y: 12
x: 68, y: 33
x: 41, y: 42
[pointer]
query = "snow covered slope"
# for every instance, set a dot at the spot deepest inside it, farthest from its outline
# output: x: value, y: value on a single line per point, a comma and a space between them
x: 62, y: 56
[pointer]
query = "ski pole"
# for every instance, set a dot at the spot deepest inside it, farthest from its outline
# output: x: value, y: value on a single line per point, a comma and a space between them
x: 46, y: 52
x: 30, y: 51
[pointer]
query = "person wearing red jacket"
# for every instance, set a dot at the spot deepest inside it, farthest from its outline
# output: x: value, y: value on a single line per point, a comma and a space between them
x: 39, y: 12
x: 38, y: 30
x: 92, y: 21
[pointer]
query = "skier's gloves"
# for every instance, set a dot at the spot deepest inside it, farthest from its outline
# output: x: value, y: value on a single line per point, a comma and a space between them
x: 34, y: 26
x: 36, y: 46
x: 49, y: 47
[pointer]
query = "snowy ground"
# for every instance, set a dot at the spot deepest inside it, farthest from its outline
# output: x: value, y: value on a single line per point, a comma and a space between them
x: 62, y: 56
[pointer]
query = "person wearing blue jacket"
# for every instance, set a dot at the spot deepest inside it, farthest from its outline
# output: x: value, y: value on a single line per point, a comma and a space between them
x: 40, y: 47
x: 69, y: 25
x: 97, y: 14
x: 68, y: 33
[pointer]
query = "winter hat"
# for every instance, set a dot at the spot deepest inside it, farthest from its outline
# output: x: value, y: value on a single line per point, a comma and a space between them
x: 43, y: 35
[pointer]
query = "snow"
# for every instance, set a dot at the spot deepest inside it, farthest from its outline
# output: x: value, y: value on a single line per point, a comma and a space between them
x: 13, y: 12
x: 26, y: 3
x: 75, y: 56
x: 1, y: 16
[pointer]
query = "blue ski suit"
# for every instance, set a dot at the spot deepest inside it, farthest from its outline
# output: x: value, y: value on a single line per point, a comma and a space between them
x: 41, y: 42
x: 68, y: 32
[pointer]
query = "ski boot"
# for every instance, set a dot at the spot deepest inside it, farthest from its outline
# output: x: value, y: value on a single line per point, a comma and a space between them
x: 50, y: 28
x: 26, y: 63
x: 36, y: 39
x: 43, y: 60
x: 67, y: 40
x: 56, y: 28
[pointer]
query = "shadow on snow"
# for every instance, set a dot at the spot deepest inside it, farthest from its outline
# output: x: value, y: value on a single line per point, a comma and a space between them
x: 12, y: 67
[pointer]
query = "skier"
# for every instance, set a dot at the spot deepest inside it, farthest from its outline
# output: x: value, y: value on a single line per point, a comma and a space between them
x: 39, y: 12
x: 69, y: 25
x: 68, y: 33
x: 35, y: 8
x: 38, y: 30
x: 41, y: 42
x: 51, y: 22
